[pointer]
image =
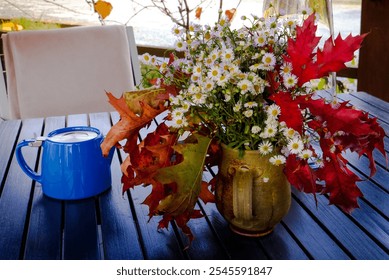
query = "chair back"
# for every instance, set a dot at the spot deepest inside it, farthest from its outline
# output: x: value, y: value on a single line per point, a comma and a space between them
x: 66, y: 71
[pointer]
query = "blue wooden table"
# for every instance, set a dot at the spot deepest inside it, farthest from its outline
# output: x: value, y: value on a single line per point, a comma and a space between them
x: 116, y: 226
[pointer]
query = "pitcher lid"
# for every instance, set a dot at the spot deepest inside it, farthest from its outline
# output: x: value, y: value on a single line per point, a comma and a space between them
x: 73, y: 134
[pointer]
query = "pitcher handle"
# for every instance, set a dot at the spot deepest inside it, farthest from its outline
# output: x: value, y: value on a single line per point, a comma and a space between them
x: 242, y: 185
x: 22, y: 162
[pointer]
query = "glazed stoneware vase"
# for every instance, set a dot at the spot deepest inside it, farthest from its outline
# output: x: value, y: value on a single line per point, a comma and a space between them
x: 252, y: 194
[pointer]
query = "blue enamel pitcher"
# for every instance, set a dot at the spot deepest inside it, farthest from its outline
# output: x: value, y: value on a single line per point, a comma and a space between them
x: 73, y: 166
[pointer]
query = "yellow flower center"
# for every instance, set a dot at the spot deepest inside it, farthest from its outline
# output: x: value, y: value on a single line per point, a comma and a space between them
x: 295, y: 146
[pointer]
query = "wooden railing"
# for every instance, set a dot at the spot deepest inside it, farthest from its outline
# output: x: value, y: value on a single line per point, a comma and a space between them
x: 163, y: 52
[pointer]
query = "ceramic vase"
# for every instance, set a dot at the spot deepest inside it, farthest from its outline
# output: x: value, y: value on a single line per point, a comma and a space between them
x: 252, y: 194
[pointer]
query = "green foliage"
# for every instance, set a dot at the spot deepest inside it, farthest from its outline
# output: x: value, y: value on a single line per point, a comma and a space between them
x: 29, y: 24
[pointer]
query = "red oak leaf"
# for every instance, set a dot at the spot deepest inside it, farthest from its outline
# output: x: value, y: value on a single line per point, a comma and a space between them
x: 300, y: 52
x: 290, y: 110
x: 205, y: 195
x: 301, y: 175
x: 340, y: 181
x: 350, y: 128
x: 307, y: 64
x: 335, y: 54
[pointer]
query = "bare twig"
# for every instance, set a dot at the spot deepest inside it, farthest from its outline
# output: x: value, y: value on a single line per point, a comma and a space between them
x: 17, y: 7
x: 64, y: 7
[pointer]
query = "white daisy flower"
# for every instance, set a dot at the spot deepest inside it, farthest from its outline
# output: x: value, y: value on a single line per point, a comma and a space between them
x: 237, y: 107
x: 146, y: 58
x: 227, y: 55
x: 251, y: 104
x: 255, y: 129
x: 295, y: 145
x: 177, y: 113
x: 306, y: 154
x: 259, y: 39
x: 195, y: 78
x: 245, y: 86
x: 277, y: 160
x: 199, y: 98
x: 208, y: 85
x: 289, y: 80
x: 286, y: 68
x: 179, y: 123
x: 197, y: 69
x: 180, y: 46
x: 269, y: 60
x: 248, y: 113
x: 222, y: 81
x: 214, y: 73
x: 273, y: 111
x: 269, y: 131
x: 289, y: 132
x: 177, y: 31
x: 265, y: 148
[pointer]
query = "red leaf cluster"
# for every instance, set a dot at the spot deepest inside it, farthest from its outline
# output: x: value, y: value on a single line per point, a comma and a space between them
x: 338, y: 128
x: 308, y: 64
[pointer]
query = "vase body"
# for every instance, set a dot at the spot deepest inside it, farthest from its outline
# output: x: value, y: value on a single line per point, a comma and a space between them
x: 252, y: 194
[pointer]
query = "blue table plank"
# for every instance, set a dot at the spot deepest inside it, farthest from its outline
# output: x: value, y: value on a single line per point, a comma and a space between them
x: 8, y: 133
x: 163, y: 244
x: 44, y: 238
x: 232, y: 245
x: 15, y: 197
x: 81, y: 233
x: 312, y: 236
x: 281, y: 245
x: 344, y: 229
x: 119, y: 234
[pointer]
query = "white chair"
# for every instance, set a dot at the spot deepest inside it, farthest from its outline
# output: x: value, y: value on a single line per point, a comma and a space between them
x: 67, y: 71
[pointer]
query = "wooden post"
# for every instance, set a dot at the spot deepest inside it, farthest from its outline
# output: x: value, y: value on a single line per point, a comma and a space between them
x: 373, y: 69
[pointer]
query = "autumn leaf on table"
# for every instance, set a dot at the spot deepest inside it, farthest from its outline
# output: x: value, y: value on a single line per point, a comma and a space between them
x: 130, y: 122
x: 153, y: 153
x: 340, y: 181
x: 178, y: 187
x: 339, y: 128
x: 351, y: 128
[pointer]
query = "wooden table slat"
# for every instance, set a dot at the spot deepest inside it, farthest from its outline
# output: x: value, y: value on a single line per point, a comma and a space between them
x: 81, y: 240
x: 312, y: 236
x: 44, y: 239
x: 344, y: 230
x: 15, y: 197
x: 120, y: 237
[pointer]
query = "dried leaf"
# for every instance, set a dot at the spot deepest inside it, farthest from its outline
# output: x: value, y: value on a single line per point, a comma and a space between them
x: 103, y: 8
x: 198, y: 12
x: 130, y: 122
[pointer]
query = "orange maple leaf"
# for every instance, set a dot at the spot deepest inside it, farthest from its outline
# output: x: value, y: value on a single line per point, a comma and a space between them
x: 130, y: 122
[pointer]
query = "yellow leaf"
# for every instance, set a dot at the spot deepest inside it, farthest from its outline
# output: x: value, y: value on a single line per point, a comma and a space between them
x: 11, y: 26
x: 103, y: 8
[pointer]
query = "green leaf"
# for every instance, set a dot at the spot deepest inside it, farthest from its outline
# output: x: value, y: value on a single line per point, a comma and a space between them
x: 187, y: 176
